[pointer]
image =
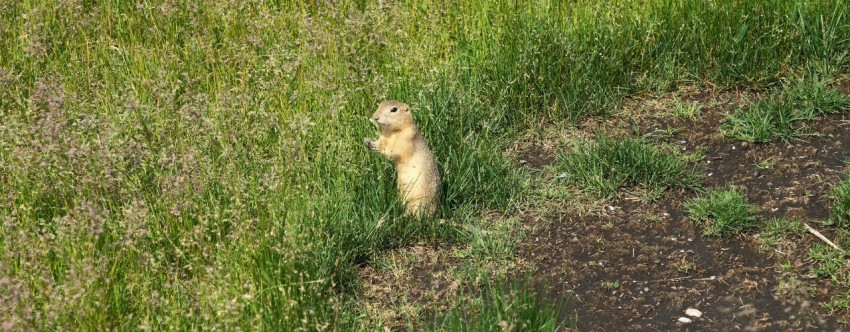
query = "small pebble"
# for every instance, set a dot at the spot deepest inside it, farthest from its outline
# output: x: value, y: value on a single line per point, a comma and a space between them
x: 690, y: 240
x: 685, y: 320
x: 646, y: 289
x: 693, y: 312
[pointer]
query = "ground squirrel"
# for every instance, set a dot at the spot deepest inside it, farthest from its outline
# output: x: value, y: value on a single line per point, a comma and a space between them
x: 401, y: 141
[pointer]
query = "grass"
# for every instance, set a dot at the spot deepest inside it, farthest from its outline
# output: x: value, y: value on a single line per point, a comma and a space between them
x: 511, y: 308
x: 684, y: 267
x: 611, y: 285
x: 786, y: 237
x: 839, y: 302
x: 691, y: 110
x: 829, y: 263
x: 782, y: 114
x: 607, y: 165
x: 766, y: 165
x: 490, y: 246
x: 840, y: 215
x: 408, y: 285
x: 721, y: 212
x: 776, y: 232
x: 441, y: 277
x: 833, y: 265
x: 197, y: 165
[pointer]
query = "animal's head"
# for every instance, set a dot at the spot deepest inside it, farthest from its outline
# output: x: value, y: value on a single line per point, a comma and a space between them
x: 393, y: 113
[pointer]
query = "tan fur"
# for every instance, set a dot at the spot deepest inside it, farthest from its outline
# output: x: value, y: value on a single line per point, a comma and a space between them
x: 401, y: 141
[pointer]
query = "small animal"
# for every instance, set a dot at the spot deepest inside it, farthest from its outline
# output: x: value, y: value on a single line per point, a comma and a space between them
x: 401, y: 141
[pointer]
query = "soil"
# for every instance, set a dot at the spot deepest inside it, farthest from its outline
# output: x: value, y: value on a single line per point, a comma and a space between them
x: 661, y: 261
x: 414, y: 280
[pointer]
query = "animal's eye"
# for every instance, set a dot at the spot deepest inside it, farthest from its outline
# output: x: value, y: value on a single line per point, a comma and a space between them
x: 394, y: 109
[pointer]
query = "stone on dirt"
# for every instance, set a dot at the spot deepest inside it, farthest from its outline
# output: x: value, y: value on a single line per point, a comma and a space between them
x: 693, y: 312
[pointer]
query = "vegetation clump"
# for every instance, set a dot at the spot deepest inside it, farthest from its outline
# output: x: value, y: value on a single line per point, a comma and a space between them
x: 782, y: 114
x: 840, y: 216
x: 722, y: 212
x: 607, y: 165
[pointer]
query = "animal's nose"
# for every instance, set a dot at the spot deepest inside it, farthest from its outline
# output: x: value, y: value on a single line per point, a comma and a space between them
x: 375, y: 118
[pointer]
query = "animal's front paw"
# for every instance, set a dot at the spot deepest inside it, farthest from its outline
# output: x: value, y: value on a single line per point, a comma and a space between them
x: 369, y: 144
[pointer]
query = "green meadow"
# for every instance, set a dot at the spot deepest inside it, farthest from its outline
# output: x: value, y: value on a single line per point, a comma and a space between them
x: 190, y: 165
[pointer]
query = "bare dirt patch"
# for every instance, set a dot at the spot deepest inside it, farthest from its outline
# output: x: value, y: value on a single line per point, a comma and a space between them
x: 408, y: 283
x: 410, y: 288
x: 638, y: 266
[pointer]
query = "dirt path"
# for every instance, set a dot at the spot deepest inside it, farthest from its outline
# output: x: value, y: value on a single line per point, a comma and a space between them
x: 638, y: 266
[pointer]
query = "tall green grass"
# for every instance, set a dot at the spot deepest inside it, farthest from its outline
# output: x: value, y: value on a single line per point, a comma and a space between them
x: 197, y: 165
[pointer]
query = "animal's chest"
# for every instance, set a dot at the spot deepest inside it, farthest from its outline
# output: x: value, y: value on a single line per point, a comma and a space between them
x: 393, y: 147
x: 399, y: 148
x: 408, y: 173
x: 410, y: 177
